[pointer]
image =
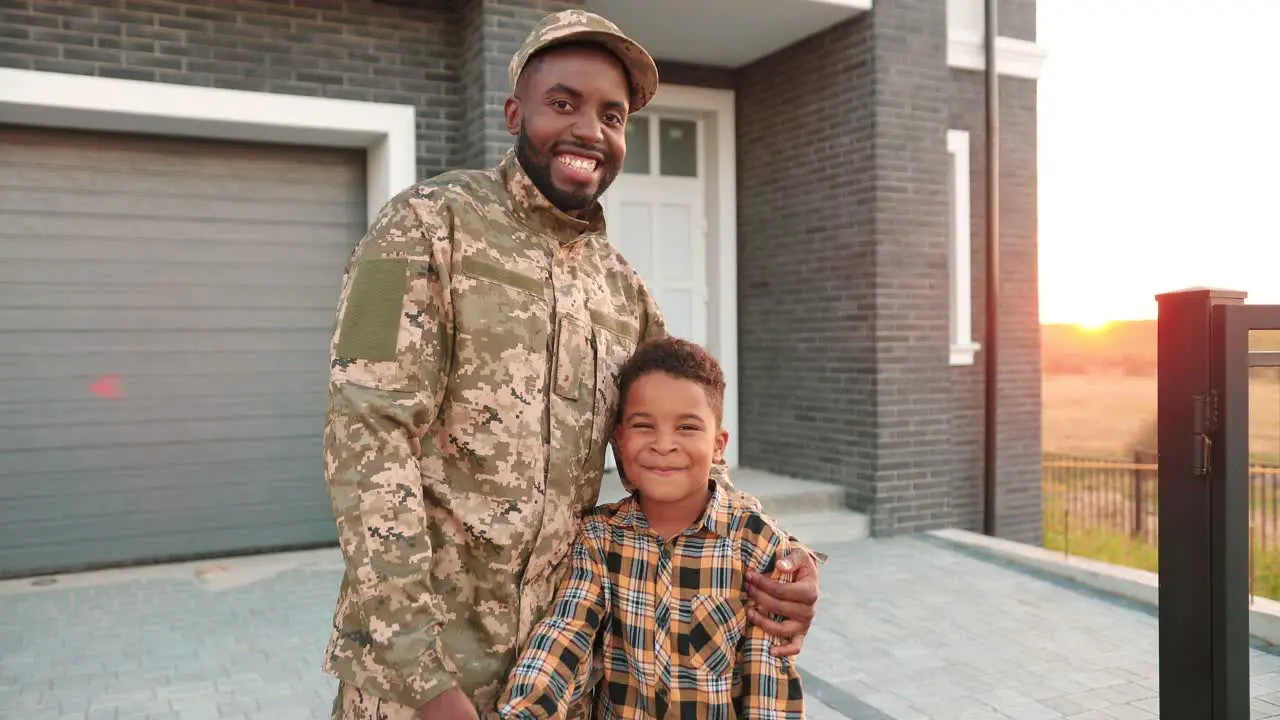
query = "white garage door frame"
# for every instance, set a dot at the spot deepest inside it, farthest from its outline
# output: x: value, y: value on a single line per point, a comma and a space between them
x: 386, y: 132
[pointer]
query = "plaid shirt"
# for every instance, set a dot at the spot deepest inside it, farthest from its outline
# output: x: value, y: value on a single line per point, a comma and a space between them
x: 676, y: 641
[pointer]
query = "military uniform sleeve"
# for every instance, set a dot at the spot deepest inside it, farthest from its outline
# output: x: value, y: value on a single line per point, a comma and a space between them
x: 389, y: 364
x: 552, y: 672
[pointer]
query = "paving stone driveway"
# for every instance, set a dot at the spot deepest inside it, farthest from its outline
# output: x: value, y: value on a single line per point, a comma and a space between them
x: 227, y: 640
x: 907, y: 629
x: 244, y: 642
x: 923, y: 631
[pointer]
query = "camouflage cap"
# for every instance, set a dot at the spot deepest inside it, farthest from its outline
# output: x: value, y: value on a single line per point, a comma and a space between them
x: 582, y: 26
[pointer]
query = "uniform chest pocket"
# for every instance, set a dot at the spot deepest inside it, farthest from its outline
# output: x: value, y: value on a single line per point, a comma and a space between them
x: 572, y: 356
x: 501, y: 318
x: 493, y: 411
x: 716, y: 626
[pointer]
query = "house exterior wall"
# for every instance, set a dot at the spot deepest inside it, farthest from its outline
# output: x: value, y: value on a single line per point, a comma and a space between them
x: 842, y: 196
x: 843, y: 268
x: 806, y: 261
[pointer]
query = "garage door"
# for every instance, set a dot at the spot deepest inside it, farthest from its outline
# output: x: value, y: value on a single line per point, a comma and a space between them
x: 165, y: 309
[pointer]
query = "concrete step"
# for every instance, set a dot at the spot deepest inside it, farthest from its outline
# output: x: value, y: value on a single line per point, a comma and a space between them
x: 811, y: 511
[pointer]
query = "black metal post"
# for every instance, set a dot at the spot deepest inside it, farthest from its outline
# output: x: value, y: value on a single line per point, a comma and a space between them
x: 1198, y: 583
x: 990, y: 351
x: 1229, y: 508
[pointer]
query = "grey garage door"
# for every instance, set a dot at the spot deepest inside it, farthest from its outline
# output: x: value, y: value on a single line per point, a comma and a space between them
x: 165, y: 308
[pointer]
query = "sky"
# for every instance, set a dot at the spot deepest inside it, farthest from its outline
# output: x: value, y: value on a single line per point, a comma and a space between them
x: 1159, y: 151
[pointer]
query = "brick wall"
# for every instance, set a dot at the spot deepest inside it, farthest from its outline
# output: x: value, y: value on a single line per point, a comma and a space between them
x: 415, y: 52
x: 915, y: 464
x: 843, y: 248
x: 806, y: 261
x: 677, y: 73
x: 1018, y: 500
x: 843, y: 263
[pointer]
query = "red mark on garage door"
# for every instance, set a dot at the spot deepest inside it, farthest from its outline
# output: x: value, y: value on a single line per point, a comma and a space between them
x: 108, y: 387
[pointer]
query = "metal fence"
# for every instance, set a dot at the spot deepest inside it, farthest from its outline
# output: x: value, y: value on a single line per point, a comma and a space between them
x: 1085, y: 495
x: 1107, y: 509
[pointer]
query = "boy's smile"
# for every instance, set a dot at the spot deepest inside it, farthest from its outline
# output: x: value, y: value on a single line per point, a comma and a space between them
x: 668, y: 440
x: 664, y: 471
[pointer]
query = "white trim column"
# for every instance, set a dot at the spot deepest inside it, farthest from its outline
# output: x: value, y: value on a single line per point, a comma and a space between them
x: 966, y: 26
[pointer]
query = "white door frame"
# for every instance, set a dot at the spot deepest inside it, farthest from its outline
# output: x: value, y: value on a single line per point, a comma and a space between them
x: 716, y: 109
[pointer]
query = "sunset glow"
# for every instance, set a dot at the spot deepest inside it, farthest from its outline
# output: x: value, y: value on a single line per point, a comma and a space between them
x: 1094, y: 326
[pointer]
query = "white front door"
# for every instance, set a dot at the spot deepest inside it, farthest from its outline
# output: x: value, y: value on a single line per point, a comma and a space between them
x: 657, y: 218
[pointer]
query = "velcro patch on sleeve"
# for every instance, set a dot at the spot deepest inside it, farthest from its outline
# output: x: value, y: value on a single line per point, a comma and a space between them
x: 370, y: 328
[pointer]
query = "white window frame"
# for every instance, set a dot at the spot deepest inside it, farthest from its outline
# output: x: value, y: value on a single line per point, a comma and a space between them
x: 960, y: 251
x: 966, y: 44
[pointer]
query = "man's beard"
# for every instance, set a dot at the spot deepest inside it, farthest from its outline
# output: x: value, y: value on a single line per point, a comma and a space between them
x: 538, y: 167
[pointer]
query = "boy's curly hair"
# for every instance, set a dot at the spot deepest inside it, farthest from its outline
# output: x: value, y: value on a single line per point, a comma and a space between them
x: 677, y: 358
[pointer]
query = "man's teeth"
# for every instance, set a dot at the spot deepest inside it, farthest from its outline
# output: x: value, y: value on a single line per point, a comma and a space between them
x: 577, y: 162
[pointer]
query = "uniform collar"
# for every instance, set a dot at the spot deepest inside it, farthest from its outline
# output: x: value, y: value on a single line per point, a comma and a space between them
x: 537, y: 211
x: 716, y: 517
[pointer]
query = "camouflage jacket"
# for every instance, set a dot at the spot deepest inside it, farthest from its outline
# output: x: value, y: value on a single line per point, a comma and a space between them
x: 473, y: 388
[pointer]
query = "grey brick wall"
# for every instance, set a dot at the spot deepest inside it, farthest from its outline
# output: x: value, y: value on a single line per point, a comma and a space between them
x: 677, y: 73
x: 1018, y: 480
x: 915, y: 464
x: 806, y: 261
x: 843, y: 273
x: 416, y: 52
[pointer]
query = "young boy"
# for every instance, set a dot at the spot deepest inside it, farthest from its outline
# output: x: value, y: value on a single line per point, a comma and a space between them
x: 658, y: 580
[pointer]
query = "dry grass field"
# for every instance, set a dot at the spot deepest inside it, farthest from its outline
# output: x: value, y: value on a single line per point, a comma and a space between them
x: 1099, y: 391
x: 1109, y: 415
x: 1099, y: 401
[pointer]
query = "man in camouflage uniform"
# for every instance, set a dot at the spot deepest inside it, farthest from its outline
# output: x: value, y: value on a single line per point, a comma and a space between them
x: 481, y: 324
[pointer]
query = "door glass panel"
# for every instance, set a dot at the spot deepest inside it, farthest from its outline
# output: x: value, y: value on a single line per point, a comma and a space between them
x: 633, y: 236
x: 678, y: 147
x: 674, y: 246
x: 677, y: 308
x: 637, y: 162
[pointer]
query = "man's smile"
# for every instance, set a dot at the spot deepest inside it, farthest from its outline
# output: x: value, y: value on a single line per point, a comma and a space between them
x: 577, y: 167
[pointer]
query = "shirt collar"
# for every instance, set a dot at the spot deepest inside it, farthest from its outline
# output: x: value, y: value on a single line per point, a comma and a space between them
x: 716, y: 518
x: 528, y: 203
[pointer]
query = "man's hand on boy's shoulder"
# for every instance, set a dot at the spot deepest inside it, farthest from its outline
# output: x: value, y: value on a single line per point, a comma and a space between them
x: 794, y: 600
x: 452, y: 704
